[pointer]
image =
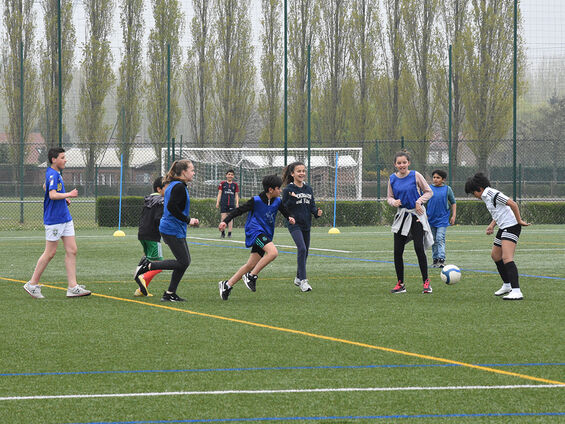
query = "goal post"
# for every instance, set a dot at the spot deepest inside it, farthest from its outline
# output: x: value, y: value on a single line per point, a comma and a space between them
x: 252, y: 164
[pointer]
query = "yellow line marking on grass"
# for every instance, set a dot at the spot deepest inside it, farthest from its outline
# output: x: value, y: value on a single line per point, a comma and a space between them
x: 320, y: 337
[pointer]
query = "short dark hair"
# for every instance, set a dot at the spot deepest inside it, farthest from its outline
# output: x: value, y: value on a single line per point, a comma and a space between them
x: 476, y: 183
x: 158, y: 183
x: 53, y: 153
x: 229, y: 170
x: 271, y: 181
x: 440, y: 172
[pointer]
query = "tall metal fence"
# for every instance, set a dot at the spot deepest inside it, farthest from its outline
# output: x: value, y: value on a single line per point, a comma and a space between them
x: 539, y: 176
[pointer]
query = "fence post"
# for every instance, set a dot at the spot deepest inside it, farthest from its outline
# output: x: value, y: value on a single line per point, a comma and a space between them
x: 21, y: 132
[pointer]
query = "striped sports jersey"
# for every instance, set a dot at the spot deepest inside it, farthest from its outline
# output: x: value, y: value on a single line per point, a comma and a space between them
x: 499, y: 210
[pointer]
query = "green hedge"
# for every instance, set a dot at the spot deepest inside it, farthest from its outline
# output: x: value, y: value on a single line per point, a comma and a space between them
x: 348, y: 213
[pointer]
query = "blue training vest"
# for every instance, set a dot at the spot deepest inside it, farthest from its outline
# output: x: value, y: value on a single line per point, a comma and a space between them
x: 261, y: 220
x: 169, y: 224
x: 437, y: 208
x: 405, y: 189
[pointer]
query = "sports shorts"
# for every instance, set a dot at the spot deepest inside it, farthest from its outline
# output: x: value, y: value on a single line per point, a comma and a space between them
x: 55, y: 231
x: 152, y: 250
x: 226, y: 209
x: 510, y: 233
x: 260, y: 242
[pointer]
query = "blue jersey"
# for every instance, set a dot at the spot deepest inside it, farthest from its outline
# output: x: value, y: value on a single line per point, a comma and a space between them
x: 261, y: 219
x: 55, y: 211
x: 169, y: 224
x: 405, y: 189
x: 438, y: 206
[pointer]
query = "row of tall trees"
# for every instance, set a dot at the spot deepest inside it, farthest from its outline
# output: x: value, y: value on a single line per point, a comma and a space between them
x: 378, y: 71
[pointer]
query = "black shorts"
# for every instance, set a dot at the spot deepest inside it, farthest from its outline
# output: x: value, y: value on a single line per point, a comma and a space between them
x: 226, y: 208
x: 510, y: 233
x: 261, y: 240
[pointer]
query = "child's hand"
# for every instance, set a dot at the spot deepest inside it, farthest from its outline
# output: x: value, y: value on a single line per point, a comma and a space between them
x: 222, y: 226
x: 293, y: 194
x: 73, y: 193
x: 194, y: 222
x: 490, y: 230
x: 452, y: 220
x: 319, y: 212
x: 291, y: 221
x: 523, y: 223
x: 217, y: 205
x: 68, y: 201
x: 397, y: 203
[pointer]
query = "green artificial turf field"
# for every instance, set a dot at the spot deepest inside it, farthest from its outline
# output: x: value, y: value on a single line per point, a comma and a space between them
x: 347, y: 352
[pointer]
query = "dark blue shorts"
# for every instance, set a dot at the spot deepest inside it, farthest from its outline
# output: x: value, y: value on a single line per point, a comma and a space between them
x: 260, y: 242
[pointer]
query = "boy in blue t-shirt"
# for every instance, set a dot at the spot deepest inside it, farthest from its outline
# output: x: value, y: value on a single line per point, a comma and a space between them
x: 438, y: 209
x: 58, y: 225
x: 259, y: 231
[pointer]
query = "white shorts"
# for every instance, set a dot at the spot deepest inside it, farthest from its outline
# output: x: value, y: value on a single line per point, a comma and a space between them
x: 56, y: 231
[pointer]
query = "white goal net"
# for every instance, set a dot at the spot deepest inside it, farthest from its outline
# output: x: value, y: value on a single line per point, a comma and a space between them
x: 251, y: 165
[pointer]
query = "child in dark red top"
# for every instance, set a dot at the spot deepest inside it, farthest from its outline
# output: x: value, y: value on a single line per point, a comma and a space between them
x: 228, y: 199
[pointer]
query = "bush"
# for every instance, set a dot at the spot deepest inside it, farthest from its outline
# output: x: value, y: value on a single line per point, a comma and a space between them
x: 348, y: 212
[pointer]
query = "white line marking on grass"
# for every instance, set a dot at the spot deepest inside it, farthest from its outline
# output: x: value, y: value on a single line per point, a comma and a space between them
x: 278, y: 245
x: 259, y: 392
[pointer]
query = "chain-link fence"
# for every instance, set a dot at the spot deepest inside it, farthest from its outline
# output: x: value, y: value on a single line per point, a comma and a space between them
x: 539, y: 176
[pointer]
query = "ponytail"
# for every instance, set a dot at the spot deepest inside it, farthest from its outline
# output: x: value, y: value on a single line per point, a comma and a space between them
x: 176, y: 169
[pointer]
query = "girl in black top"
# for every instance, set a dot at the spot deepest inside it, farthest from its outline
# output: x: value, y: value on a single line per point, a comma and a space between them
x: 298, y: 199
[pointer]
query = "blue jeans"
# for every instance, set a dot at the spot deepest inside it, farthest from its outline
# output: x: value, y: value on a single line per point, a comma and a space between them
x: 438, y: 248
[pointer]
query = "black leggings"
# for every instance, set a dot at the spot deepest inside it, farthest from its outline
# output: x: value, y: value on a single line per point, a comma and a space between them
x: 180, y: 249
x: 417, y: 234
x: 302, y: 240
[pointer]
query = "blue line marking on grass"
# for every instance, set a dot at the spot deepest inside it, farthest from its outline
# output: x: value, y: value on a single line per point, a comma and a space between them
x: 325, y: 367
x: 345, y: 417
x: 376, y: 261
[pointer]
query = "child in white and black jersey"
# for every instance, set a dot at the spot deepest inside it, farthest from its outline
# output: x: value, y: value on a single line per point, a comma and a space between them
x: 298, y: 198
x: 506, y: 214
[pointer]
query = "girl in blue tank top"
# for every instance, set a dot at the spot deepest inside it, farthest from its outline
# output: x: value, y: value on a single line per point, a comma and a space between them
x: 407, y: 191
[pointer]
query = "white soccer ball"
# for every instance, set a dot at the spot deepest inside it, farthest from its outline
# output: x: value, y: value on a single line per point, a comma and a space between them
x: 450, y: 274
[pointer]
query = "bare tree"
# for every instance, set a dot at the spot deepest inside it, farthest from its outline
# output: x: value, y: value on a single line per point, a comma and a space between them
x: 49, y: 58
x: 97, y: 79
x: 17, y: 51
x: 271, y: 72
x: 333, y: 60
x: 130, y: 87
x: 234, y: 72
x: 303, y: 16
x: 165, y: 34
x: 488, y: 54
x: 197, y: 74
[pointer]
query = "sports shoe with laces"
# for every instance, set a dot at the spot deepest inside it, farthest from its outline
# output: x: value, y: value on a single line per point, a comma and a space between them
x: 250, y: 281
x: 142, y: 285
x: 505, y: 289
x: 225, y: 289
x: 297, y: 281
x: 77, y: 291
x: 138, y: 293
x: 399, y: 288
x: 434, y: 264
x: 441, y: 263
x: 427, y: 287
x: 514, y: 295
x: 34, y: 290
x: 304, y: 286
x: 142, y: 268
x: 171, y: 297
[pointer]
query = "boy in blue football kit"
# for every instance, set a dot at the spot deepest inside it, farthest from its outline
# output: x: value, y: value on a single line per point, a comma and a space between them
x: 58, y: 225
x: 259, y: 231
x: 438, y: 210
x: 506, y: 214
x: 228, y: 199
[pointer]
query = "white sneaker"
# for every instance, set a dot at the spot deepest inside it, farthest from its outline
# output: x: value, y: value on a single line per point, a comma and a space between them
x: 34, y: 290
x: 514, y: 295
x: 297, y: 281
x: 77, y: 291
x: 304, y: 286
x: 506, y: 288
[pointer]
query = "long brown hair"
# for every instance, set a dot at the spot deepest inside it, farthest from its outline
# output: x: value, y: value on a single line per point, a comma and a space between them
x: 177, y: 168
x: 288, y: 170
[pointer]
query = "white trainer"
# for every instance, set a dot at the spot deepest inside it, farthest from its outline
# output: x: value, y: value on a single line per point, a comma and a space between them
x: 505, y: 289
x: 304, y: 286
x: 34, y: 290
x: 514, y: 295
x: 297, y: 281
x: 77, y: 291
